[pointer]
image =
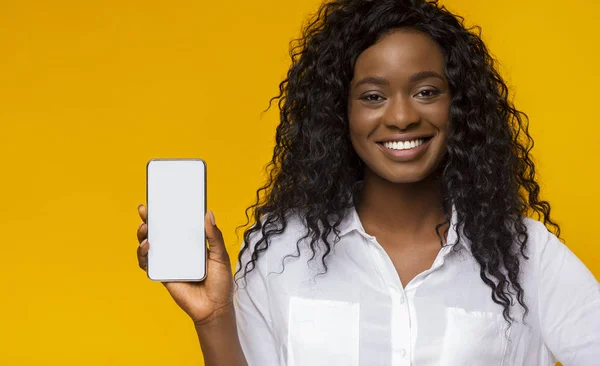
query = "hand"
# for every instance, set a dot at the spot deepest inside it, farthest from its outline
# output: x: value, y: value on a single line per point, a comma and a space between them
x: 202, y: 301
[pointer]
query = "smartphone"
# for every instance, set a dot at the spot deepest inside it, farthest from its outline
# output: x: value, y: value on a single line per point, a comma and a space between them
x: 176, y: 201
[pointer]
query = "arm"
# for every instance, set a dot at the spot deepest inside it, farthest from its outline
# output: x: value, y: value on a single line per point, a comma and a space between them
x: 240, y: 334
x: 219, y: 340
x: 569, y: 305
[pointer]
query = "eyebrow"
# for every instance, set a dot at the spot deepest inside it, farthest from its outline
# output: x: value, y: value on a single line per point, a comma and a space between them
x: 376, y: 80
x: 424, y: 75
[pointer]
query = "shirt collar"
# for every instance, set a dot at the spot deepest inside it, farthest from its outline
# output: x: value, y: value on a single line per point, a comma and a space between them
x: 351, y: 222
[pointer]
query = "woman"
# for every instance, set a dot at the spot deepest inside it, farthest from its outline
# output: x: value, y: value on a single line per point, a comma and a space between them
x: 393, y: 228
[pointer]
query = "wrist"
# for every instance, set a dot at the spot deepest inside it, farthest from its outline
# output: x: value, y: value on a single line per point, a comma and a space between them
x: 219, y: 317
x: 219, y: 338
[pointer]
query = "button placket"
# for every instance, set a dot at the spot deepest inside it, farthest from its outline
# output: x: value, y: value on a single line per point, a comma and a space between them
x: 401, y: 329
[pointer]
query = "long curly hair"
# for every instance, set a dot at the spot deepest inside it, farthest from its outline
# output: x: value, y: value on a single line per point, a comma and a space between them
x: 488, y: 174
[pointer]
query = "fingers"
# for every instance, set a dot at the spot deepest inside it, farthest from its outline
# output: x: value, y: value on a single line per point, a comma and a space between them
x: 142, y: 235
x: 142, y: 232
x: 143, y: 211
x: 142, y: 255
x: 214, y: 237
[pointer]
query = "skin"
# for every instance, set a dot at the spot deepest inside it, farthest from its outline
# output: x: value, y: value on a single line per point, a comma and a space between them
x: 393, y: 191
x: 400, y: 203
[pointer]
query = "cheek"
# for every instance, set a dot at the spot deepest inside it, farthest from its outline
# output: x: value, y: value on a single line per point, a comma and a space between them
x: 363, y: 122
x: 359, y: 135
x: 438, y: 115
x: 442, y: 115
x: 444, y: 122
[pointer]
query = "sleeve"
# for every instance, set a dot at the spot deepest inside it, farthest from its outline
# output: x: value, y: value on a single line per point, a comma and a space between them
x: 569, y: 305
x: 253, y: 316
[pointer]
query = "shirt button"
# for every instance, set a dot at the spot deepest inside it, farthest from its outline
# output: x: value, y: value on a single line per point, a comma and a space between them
x: 403, y: 353
x: 402, y: 299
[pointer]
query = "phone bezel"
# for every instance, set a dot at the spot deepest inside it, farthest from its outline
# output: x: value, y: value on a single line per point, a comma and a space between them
x: 205, y: 206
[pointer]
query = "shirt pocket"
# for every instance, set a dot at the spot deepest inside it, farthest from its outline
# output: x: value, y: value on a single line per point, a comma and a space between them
x: 474, y: 338
x: 323, y: 332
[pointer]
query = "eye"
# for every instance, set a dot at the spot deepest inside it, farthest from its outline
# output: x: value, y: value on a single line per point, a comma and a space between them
x: 372, y: 98
x: 429, y: 93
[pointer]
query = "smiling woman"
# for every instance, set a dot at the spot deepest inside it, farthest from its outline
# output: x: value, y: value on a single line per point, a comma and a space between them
x: 394, y: 229
x: 398, y: 109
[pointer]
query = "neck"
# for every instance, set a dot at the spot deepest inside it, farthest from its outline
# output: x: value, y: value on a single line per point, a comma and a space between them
x: 409, y: 210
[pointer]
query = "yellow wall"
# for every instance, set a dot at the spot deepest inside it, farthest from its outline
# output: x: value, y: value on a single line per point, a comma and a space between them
x: 89, y: 91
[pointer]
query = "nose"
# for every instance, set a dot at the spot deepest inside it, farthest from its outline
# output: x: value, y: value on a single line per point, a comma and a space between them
x: 400, y: 113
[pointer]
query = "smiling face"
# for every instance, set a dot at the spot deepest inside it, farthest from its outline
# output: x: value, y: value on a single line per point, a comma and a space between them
x: 398, y: 107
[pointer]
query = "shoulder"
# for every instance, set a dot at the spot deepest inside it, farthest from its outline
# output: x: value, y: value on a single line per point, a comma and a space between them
x: 550, y: 257
x: 536, y: 231
x: 540, y: 240
x: 280, y: 240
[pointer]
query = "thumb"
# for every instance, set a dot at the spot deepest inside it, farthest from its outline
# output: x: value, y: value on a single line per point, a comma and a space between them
x: 214, y: 236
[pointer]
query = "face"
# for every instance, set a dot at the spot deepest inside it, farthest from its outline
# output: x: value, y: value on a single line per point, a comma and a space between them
x: 398, y: 107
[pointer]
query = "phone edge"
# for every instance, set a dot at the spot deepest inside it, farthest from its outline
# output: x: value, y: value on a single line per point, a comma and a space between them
x: 205, y: 210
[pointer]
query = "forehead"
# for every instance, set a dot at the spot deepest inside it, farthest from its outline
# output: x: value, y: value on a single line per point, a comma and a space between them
x: 401, y: 52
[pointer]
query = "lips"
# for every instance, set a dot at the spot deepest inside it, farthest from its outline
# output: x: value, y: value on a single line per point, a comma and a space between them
x: 399, y: 153
x: 404, y: 138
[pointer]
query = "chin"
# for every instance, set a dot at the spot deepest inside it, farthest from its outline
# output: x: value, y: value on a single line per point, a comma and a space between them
x: 405, y: 175
x: 405, y: 178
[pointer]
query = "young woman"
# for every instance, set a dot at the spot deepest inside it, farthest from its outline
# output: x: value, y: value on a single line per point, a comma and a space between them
x: 393, y: 229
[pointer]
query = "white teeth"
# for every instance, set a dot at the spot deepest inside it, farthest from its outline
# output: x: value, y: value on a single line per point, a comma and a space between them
x: 399, y: 145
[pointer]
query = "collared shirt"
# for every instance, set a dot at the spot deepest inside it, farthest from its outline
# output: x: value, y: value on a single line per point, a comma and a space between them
x: 358, y: 313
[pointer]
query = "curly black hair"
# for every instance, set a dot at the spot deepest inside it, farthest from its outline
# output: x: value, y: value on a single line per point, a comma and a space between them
x: 488, y: 174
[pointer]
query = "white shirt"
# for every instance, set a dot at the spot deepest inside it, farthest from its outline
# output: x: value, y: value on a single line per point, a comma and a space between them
x: 359, y: 314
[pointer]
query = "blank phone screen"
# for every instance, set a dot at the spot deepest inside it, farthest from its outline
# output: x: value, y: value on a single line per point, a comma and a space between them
x: 176, y: 198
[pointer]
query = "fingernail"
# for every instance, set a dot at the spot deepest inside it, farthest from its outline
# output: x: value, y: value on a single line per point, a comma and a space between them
x: 212, y: 218
x: 143, y: 242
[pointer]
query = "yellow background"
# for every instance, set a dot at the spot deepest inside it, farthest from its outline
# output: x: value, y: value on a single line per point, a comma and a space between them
x: 90, y: 90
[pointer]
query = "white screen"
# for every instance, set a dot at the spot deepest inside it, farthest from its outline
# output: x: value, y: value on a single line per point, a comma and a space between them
x: 176, y: 209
